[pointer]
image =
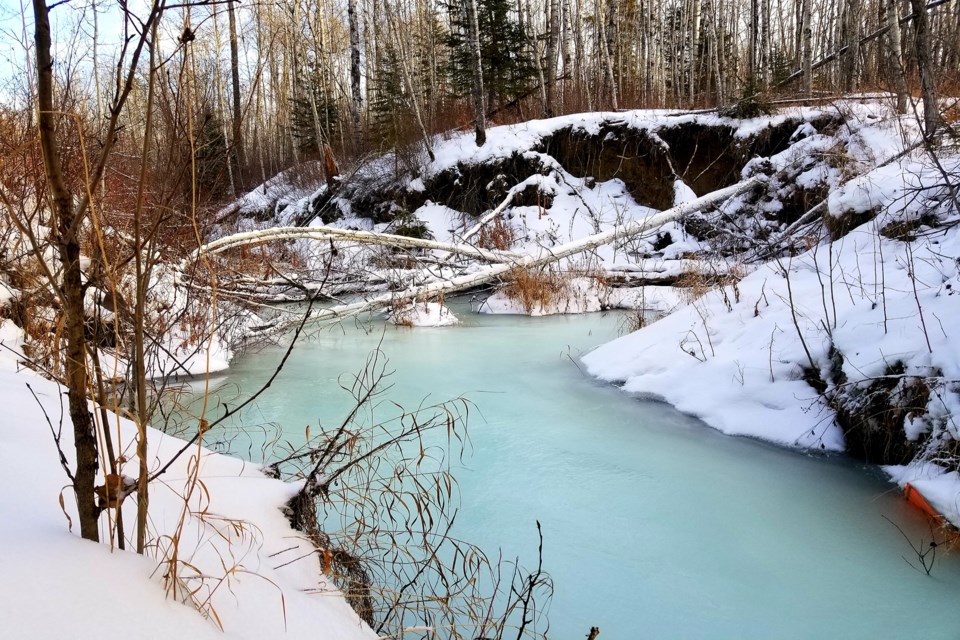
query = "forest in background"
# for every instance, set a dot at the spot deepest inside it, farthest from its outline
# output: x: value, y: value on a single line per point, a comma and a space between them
x: 255, y: 88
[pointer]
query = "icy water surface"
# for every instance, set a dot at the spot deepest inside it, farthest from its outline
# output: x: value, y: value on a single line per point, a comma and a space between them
x: 655, y: 526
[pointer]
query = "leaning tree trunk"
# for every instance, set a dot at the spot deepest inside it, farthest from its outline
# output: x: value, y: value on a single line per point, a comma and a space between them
x: 480, y: 121
x: 928, y: 85
x: 71, y: 287
x: 504, y: 261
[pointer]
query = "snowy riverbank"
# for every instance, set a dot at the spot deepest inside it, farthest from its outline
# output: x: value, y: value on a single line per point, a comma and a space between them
x: 240, y: 564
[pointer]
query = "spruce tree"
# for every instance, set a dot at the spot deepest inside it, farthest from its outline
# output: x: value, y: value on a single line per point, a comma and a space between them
x: 508, y: 71
x: 308, y: 113
x: 389, y: 106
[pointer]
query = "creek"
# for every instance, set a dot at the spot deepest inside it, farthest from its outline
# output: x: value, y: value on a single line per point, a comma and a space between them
x: 655, y: 526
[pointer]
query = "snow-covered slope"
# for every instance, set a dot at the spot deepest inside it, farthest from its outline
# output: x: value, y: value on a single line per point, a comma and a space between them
x: 248, y: 571
x: 843, y: 342
x: 869, y: 315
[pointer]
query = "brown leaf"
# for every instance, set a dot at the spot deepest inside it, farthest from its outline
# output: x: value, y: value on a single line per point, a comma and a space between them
x: 63, y: 507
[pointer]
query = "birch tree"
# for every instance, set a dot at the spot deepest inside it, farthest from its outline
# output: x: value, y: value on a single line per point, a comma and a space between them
x: 928, y: 83
x: 479, y: 113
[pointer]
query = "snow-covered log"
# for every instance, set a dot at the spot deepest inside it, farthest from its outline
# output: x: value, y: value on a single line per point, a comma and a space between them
x: 363, y: 237
x: 543, y: 257
x: 535, y: 180
x: 475, y: 229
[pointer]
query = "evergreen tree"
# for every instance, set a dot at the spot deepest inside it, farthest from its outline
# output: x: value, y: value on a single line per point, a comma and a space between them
x: 211, y: 157
x: 304, y: 122
x: 390, y: 106
x: 508, y: 71
x: 313, y: 111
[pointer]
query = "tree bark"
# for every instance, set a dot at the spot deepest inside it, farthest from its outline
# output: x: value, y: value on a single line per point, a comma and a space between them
x: 479, y: 112
x: 142, y: 271
x: 607, y: 50
x: 71, y: 289
x: 895, y: 56
x: 765, y: 48
x: 552, y: 42
x: 752, y: 48
x: 928, y: 84
x: 807, y: 55
x: 238, y: 158
x: 851, y: 60
x: 357, y: 99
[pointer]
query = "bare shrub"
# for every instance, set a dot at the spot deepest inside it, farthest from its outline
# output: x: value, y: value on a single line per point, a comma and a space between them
x: 379, y: 501
x: 498, y: 235
x: 536, y: 288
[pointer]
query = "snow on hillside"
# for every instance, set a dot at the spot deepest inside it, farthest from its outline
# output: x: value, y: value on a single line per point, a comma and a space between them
x: 248, y: 570
x: 567, y: 206
x: 878, y: 303
x: 504, y: 141
x: 790, y: 351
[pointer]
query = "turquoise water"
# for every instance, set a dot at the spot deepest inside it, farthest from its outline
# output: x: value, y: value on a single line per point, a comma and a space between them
x: 655, y: 526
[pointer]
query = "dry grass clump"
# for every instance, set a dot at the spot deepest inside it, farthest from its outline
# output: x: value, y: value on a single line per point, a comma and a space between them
x: 498, y: 235
x: 536, y: 288
x: 697, y: 283
x: 400, y: 311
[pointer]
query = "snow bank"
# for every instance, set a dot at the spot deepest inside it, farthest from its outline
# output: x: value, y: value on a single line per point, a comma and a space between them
x: 735, y: 358
x: 440, y: 220
x: 940, y: 487
x: 424, y: 314
x: 55, y: 585
x: 659, y: 299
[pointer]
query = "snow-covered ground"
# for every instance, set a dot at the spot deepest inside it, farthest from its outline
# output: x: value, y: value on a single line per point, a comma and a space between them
x: 886, y: 306
x: 424, y: 314
x: 848, y: 311
x: 249, y: 574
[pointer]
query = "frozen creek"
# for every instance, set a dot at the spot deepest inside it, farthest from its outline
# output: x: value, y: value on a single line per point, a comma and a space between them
x: 655, y: 526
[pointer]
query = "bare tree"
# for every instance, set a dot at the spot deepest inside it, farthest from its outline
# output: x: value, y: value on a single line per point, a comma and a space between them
x: 895, y: 55
x: 69, y: 211
x: 239, y: 161
x: 553, y: 38
x: 928, y: 83
x: 356, y: 103
x: 479, y: 112
x: 806, y: 28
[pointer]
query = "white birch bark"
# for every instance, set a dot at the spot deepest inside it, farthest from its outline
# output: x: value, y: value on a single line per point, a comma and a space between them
x: 541, y: 258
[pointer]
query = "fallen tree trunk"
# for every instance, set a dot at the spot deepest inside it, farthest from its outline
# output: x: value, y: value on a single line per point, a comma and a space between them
x: 543, y: 257
x: 362, y: 237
